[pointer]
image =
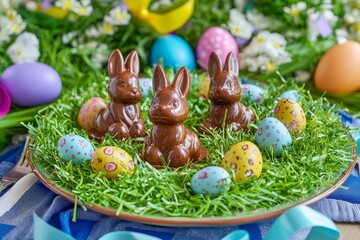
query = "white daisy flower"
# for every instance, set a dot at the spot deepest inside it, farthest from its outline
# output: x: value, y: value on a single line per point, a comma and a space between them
x: 66, y: 4
x: 302, y: 76
x: 68, y: 37
x: 118, y: 16
x: 83, y: 8
x: 342, y: 35
x: 14, y: 23
x: 294, y: 10
x: 24, y: 49
x: 106, y: 28
x: 239, y: 26
x: 257, y: 19
x: 92, y: 32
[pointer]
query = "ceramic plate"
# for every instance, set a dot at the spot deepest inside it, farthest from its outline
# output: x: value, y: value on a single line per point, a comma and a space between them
x: 237, y: 218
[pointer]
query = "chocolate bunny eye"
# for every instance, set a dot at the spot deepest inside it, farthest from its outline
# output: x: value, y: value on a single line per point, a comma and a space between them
x: 123, y: 84
x: 229, y: 84
x: 174, y: 103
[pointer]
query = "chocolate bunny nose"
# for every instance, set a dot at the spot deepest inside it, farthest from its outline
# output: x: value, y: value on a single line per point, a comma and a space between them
x: 134, y: 90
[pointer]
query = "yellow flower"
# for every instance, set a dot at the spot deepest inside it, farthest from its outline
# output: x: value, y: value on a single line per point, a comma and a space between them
x: 270, y: 67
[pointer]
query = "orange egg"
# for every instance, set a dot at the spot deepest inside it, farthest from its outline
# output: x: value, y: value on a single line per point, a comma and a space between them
x: 338, y: 71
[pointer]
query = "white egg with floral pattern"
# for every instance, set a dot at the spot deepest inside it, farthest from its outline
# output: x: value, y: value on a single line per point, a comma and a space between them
x: 113, y: 161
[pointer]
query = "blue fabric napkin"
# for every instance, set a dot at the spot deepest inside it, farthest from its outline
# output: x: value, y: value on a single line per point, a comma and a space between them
x: 341, y: 206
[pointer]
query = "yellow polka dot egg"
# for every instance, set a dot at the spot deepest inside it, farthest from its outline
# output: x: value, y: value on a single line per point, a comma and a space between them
x: 244, y: 159
x: 112, y: 161
x: 291, y: 114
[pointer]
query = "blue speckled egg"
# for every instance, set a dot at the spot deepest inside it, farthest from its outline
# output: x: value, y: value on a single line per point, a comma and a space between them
x: 253, y: 92
x: 172, y: 51
x: 211, y: 181
x: 272, y: 133
x: 293, y: 94
x: 75, y: 148
x: 146, y: 86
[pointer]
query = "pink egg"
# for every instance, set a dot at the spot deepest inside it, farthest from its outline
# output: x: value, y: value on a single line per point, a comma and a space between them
x: 88, y: 111
x: 218, y: 40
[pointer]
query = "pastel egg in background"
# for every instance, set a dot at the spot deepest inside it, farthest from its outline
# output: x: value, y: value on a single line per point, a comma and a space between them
x: 112, y: 161
x: 252, y: 92
x: 244, y: 159
x: 291, y: 114
x: 218, y: 40
x: 146, y: 86
x: 173, y: 52
x: 88, y: 111
x: 211, y: 181
x: 338, y: 70
x: 204, y: 88
x: 293, y: 94
x: 75, y: 148
x: 272, y: 134
x: 31, y: 84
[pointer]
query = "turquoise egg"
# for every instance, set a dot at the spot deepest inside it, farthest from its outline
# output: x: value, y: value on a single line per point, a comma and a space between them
x: 75, y: 148
x: 146, y: 86
x: 293, y: 94
x: 211, y: 181
x: 253, y: 92
x: 172, y: 51
x: 272, y: 134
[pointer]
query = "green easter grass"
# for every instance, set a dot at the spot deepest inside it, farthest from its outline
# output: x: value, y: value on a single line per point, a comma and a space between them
x: 315, y: 161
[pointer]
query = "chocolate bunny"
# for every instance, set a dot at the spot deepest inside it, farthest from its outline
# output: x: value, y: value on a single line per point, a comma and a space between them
x: 170, y: 140
x: 122, y: 117
x: 225, y: 94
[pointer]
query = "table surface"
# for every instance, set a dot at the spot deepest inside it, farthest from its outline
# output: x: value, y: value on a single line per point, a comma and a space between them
x: 349, y: 231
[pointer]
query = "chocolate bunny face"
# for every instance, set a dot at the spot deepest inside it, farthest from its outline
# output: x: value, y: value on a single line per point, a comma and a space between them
x: 169, y: 104
x: 124, y: 84
x: 224, y: 85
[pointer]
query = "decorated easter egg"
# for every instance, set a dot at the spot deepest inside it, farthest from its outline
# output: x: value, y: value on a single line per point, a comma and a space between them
x: 75, y: 148
x: 253, y: 92
x: 291, y: 114
x: 293, y: 94
x: 112, y: 161
x: 244, y: 159
x: 218, y: 40
x: 146, y: 86
x: 204, y: 88
x: 211, y: 181
x: 31, y: 84
x: 338, y: 70
x: 272, y: 135
x: 172, y: 51
x: 88, y: 111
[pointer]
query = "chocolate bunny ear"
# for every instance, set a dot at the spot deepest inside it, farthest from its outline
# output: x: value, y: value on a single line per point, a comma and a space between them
x: 159, y: 79
x: 214, y: 64
x: 132, y: 62
x: 116, y: 63
x: 182, y: 81
x: 231, y: 64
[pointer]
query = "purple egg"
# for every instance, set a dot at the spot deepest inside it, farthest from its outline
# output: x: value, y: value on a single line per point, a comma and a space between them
x: 31, y: 84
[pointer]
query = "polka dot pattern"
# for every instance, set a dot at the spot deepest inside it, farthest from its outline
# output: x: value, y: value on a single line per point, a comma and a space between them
x: 75, y: 148
x: 218, y: 40
x: 244, y: 159
x: 88, y: 111
x: 291, y: 114
x: 211, y: 181
x: 112, y: 161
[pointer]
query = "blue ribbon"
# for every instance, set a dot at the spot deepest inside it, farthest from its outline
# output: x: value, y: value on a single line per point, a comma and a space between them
x: 293, y: 220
